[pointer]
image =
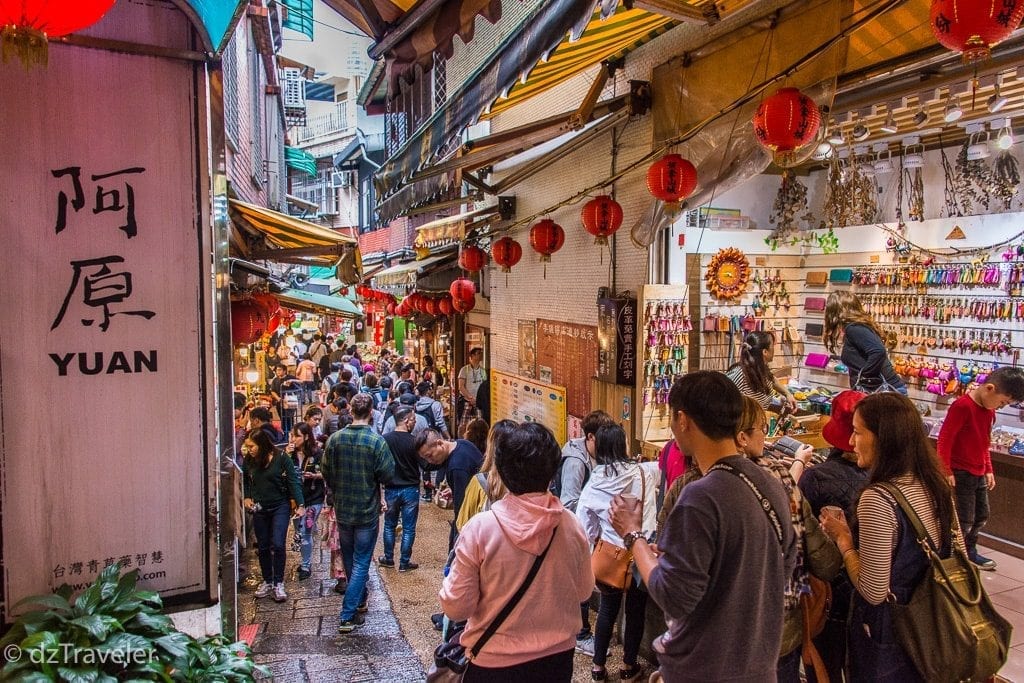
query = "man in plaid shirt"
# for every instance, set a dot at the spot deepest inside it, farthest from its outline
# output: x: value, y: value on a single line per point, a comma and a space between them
x: 357, y: 462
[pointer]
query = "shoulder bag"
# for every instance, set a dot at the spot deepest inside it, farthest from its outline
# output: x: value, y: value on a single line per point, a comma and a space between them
x: 610, y: 562
x: 451, y: 659
x: 949, y: 629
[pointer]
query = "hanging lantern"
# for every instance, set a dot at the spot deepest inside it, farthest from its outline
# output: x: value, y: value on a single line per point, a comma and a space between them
x: 248, y: 321
x: 671, y: 179
x: 464, y: 306
x: 973, y: 28
x: 432, y: 307
x: 506, y: 253
x: 473, y: 258
x: 445, y: 306
x: 26, y: 26
x: 601, y: 217
x: 402, y: 309
x: 786, y: 120
x: 390, y: 308
x: 462, y: 290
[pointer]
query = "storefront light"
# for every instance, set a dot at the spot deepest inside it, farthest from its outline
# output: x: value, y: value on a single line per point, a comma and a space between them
x: 1005, y: 140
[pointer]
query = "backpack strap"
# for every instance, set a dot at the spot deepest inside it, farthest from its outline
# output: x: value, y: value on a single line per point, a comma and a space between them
x: 763, y: 503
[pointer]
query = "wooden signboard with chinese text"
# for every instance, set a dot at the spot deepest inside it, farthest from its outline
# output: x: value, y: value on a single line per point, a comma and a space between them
x: 567, y: 356
x: 108, y: 285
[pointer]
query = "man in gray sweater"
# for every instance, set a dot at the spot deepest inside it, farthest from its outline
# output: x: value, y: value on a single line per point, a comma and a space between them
x: 725, y: 558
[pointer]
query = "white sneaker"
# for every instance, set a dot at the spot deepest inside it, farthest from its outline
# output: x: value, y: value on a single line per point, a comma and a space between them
x: 279, y: 594
x: 263, y: 590
x: 585, y: 646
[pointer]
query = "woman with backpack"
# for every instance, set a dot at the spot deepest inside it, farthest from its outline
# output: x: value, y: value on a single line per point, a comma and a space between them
x: 618, y: 474
x: 887, y: 563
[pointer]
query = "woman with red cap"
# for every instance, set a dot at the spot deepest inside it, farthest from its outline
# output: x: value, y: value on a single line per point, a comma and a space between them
x: 838, y: 482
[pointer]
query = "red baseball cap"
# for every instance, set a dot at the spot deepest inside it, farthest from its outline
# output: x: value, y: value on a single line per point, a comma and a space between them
x: 839, y: 430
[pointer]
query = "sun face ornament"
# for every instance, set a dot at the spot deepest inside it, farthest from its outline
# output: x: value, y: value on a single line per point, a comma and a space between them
x: 727, y: 274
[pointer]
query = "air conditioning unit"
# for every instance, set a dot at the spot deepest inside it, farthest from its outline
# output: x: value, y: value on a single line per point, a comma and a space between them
x: 341, y: 179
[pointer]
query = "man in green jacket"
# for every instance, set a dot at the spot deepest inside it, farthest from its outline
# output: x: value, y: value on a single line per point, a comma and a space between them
x: 357, y: 462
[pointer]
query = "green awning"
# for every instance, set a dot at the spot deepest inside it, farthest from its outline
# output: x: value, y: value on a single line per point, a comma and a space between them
x: 299, y: 16
x: 300, y: 160
x: 319, y: 303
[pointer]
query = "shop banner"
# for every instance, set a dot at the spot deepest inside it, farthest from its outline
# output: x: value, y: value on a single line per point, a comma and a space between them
x: 105, y: 348
x: 525, y: 400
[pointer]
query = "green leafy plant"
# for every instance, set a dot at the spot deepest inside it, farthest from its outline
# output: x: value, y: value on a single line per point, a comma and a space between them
x: 826, y: 240
x: 114, y: 632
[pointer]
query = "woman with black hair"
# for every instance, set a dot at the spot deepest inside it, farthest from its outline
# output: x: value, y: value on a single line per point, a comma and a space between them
x: 754, y: 378
x: 306, y: 454
x: 270, y: 483
x: 618, y: 474
x: 887, y: 564
x: 495, y: 553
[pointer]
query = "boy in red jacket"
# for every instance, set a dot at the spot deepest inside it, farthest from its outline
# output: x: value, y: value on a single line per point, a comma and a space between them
x: 964, y: 448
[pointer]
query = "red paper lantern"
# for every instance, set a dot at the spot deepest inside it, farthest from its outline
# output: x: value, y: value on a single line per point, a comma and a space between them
x: 506, y: 253
x: 402, y: 309
x: 601, y: 217
x: 786, y: 120
x: 973, y: 28
x: 432, y: 307
x: 473, y: 258
x: 462, y: 290
x: 248, y: 321
x: 671, y: 179
x: 446, y: 307
x: 546, y: 237
x: 464, y: 306
x: 390, y: 308
x: 26, y: 24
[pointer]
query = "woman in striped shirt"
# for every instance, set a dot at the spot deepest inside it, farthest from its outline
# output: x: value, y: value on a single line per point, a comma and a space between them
x: 754, y: 378
x: 888, y: 564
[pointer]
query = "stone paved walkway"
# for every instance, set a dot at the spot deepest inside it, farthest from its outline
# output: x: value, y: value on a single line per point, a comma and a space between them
x: 298, y: 641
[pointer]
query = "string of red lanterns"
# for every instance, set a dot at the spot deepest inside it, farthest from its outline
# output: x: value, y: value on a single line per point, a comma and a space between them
x: 472, y: 258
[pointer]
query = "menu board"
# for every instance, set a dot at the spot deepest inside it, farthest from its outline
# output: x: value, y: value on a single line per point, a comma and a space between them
x: 525, y: 400
x: 567, y: 356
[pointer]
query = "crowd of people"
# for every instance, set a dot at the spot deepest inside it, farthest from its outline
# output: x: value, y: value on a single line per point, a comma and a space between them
x: 722, y: 534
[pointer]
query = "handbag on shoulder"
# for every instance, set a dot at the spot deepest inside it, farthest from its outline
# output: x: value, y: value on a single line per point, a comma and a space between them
x: 949, y: 629
x: 611, y: 563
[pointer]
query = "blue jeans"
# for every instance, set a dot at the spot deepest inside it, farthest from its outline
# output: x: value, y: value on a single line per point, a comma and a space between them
x: 403, y: 500
x: 271, y: 527
x: 308, y: 534
x: 357, y: 543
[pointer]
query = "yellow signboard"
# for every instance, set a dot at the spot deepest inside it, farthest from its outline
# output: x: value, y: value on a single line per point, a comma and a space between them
x: 525, y: 400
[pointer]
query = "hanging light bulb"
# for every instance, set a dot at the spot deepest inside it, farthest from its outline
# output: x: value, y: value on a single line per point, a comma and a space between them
x: 835, y: 137
x: 252, y: 375
x: 953, y: 110
x: 1005, y: 140
x: 997, y: 100
x: 890, y: 127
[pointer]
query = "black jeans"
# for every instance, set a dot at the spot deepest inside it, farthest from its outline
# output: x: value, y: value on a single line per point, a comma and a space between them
x: 971, y: 506
x: 556, y: 668
x: 608, y: 613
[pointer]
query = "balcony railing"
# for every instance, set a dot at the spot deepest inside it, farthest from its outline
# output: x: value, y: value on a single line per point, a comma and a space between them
x: 324, y: 125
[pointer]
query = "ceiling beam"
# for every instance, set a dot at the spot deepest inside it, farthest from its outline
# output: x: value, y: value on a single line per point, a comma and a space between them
x: 680, y: 10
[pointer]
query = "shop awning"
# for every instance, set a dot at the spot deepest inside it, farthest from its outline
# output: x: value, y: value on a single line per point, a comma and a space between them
x: 450, y: 229
x: 408, y: 33
x: 318, y: 303
x: 539, y: 34
x: 299, y: 241
x: 406, y: 274
x: 606, y: 39
x: 213, y: 18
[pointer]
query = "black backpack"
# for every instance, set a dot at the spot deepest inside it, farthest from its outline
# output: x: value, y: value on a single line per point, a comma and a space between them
x: 428, y: 415
x: 556, y: 481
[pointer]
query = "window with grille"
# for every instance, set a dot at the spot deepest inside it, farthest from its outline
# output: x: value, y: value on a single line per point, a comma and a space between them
x: 256, y: 133
x: 229, y: 70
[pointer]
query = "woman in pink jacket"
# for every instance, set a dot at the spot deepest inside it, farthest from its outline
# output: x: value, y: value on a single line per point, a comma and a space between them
x: 493, y: 556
